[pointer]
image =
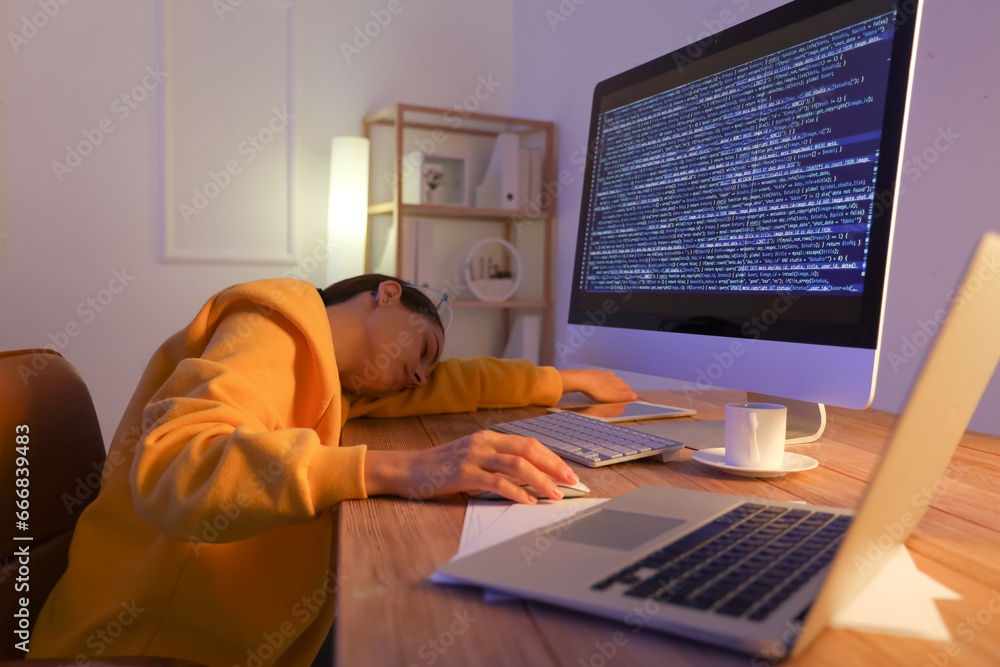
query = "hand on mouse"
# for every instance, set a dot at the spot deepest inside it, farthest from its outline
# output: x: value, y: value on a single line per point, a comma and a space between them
x: 568, y: 491
x: 469, y: 464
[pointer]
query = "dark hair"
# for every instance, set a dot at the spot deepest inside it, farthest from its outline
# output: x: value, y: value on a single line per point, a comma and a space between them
x: 411, y: 297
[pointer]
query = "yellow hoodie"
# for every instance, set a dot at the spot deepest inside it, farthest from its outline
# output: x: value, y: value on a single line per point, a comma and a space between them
x: 212, y: 538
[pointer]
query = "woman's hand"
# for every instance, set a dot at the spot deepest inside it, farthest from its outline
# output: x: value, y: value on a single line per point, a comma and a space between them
x: 471, y: 463
x: 599, y: 385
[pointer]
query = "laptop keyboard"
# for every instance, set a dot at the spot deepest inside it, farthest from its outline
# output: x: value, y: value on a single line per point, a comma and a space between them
x: 589, y: 441
x: 745, y: 563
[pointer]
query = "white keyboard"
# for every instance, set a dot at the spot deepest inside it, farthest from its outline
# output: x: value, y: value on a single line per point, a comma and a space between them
x: 589, y: 441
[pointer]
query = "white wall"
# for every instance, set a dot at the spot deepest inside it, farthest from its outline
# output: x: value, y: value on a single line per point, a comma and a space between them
x: 562, y: 49
x: 61, y: 242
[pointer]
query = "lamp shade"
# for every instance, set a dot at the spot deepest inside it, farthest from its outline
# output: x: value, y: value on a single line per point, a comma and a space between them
x: 347, y: 219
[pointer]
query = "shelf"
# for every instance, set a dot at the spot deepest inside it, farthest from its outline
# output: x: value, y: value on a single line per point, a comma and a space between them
x: 407, y: 138
x: 449, y: 211
x: 452, y: 121
x: 475, y: 303
x: 382, y: 209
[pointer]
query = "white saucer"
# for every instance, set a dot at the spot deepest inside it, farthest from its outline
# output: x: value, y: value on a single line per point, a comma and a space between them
x: 716, y: 457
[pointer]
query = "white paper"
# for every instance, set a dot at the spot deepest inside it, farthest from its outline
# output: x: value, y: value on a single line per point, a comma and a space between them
x: 899, y: 600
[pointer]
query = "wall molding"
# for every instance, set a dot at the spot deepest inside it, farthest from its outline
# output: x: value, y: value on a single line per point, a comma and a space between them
x: 225, y: 131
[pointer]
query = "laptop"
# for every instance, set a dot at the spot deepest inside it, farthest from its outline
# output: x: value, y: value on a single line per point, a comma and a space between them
x: 633, y: 557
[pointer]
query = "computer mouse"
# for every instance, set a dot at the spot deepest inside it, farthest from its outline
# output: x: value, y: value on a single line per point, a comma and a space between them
x: 568, y: 490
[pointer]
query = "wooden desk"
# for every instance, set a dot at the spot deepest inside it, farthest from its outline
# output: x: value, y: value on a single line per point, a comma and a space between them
x: 390, y: 614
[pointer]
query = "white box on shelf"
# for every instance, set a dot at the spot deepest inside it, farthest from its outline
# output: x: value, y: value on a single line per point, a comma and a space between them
x: 413, y: 167
x: 500, y: 186
x: 425, y: 261
x: 530, y: 179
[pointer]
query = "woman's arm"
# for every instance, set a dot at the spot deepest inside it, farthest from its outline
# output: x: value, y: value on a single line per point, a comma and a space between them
x: 465, y: 385
x: 600, y: 385
x: 472, y: 463
x: 231, y: 431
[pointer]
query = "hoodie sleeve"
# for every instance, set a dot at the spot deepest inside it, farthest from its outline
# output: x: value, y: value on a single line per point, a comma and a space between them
x: 464, y: 385
x: 214, y: 430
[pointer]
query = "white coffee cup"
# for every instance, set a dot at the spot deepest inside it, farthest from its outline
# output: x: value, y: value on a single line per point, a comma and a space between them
x: 755, y: 435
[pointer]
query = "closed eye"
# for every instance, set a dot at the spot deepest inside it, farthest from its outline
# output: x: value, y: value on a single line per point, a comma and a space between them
x: 437, y: 352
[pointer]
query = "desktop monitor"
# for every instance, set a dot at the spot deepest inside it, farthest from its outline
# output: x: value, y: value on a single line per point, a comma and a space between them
x: 737, y: 209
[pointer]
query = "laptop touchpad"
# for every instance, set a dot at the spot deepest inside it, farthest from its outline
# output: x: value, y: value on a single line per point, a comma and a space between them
x: 618, y: 530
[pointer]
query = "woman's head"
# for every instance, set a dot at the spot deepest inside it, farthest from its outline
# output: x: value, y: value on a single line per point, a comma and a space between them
x: 388, y: 334
x: 411, y: 297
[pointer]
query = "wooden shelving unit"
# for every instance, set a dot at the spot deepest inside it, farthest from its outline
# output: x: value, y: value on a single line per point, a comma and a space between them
x: 432, y: 131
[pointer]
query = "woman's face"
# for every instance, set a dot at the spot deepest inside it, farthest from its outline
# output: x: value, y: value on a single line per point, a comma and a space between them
x: 402, y: 347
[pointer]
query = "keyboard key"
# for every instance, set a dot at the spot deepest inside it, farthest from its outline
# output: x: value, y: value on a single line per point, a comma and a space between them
x: 607, y: 453
x: 649, y: 588
x: 697, y: 537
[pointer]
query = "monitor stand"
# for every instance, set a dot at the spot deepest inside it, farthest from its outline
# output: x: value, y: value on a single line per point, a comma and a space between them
x: 806, y: 423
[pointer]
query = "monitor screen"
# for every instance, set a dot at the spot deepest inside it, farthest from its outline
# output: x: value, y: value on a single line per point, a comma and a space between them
x: 762, y: 167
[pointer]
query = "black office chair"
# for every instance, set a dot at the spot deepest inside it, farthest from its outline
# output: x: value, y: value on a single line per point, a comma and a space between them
x: 65, y: 454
